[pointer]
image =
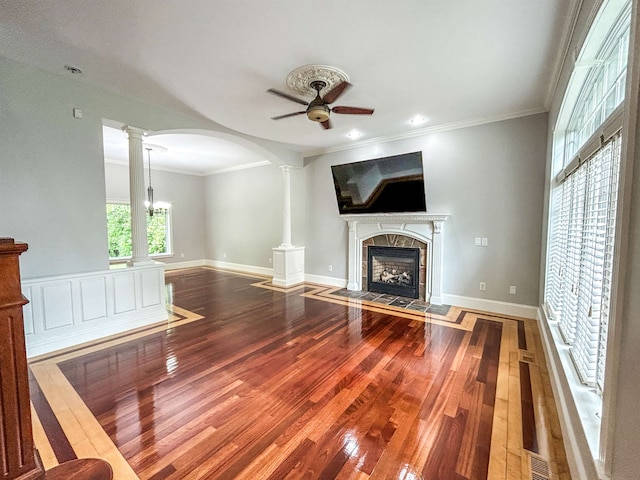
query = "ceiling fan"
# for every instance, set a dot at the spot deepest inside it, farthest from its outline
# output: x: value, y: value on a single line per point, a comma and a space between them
x: 318, y: 109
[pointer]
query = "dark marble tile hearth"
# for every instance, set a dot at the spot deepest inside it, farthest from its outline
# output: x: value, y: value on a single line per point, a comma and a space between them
x: 400, y: 302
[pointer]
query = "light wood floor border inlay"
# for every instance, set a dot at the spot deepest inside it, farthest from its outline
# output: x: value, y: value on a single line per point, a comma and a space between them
x: 519, y: 340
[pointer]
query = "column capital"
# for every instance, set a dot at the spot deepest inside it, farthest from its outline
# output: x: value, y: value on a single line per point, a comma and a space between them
x: 134, y: 131
x: 285, y: 168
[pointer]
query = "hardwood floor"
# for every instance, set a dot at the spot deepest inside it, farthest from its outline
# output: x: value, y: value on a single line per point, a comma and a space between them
x: 251, y: 381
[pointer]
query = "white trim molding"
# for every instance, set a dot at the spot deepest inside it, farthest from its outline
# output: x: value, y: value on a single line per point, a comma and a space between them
x: 323, y: 280
x: 186, y: 264
x: 493, y: 306
x: 239, y: 267
x: 71, y: 309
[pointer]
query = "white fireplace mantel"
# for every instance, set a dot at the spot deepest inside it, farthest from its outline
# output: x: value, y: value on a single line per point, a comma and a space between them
x: 425, y: 227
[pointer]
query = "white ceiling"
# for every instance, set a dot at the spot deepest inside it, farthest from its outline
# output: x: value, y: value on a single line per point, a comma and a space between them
x: 453, y: 62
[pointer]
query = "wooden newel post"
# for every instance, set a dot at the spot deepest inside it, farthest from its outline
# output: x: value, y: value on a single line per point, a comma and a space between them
x: 17, y: 453
x: 18, y: 457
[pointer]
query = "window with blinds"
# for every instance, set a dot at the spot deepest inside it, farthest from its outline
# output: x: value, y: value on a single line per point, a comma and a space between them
x: 579, y: 280
x: 583, y: 203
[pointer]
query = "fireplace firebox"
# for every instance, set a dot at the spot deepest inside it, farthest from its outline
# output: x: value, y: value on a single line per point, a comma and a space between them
x: 394, y: 270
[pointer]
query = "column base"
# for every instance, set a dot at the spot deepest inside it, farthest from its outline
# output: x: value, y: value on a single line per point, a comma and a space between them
x: 288, y: 265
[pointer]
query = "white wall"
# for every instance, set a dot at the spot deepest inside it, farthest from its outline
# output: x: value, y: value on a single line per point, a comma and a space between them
x: 185, y: 193
x: 489, y: 178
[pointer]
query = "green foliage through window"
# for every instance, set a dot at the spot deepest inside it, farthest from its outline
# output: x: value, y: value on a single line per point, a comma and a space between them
x: 119, y: 230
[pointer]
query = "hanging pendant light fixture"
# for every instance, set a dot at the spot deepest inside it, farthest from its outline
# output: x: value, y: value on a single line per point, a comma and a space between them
x: 153, y: 207
x: 149, y: 188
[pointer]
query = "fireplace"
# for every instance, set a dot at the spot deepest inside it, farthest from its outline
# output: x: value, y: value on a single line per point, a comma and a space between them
x: 426, y: 228
x: 394, y: 270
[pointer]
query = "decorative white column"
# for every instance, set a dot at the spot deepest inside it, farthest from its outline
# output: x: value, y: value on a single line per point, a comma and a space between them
x: 139, y: 241
x: 286, y: 208
x: 288, y: 260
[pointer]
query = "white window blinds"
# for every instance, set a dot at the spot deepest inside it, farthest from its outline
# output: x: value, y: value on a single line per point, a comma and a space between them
x: 581, y: 257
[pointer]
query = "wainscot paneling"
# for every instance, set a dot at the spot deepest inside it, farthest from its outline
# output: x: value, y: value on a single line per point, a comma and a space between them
x: 72, y: 309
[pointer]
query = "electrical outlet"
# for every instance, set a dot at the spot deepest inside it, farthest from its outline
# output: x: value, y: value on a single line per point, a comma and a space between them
x: 182, y: 255
x: 512, y: 290
x: 485, y: 242
x: 483, y: 286
x: 477, y: 241
x: 224, y: 255
x: 270, y: 260
x: 331, y: 268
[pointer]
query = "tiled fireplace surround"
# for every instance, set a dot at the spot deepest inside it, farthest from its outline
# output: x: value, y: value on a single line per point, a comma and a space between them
x: 400, y: 230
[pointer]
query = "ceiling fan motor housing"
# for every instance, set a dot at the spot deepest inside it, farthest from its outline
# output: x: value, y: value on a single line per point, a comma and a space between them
x: 318, y: 113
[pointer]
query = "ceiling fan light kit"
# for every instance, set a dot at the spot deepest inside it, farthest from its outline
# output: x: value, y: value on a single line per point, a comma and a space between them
x: 318, y: 78
x: 319, y: 113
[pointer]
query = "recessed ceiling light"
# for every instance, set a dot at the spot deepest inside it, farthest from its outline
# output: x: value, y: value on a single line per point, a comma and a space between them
x: 354, y: 134
x: 418, y: 120
x: 72, y: 69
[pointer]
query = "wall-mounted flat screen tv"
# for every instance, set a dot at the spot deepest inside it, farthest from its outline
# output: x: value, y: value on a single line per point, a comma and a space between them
x: 382, y: 185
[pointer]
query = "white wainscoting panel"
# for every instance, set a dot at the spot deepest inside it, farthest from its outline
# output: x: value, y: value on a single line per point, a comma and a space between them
x: 124, y: 286
x: 57, y: 303
x: 72, y: 309
x: 93, y: 298
x: 152, y: 281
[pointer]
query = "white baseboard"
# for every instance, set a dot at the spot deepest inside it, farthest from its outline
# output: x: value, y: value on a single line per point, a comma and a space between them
x: 238, y: 267
x: 187, y: 264
x: 328, y: 281
x: 503, y: 308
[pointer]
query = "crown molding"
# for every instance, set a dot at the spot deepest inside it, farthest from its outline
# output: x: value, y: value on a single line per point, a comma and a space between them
x: 427, y: 131
x: 125, y: 163
x: 238, y: 167
x: 191, y: 172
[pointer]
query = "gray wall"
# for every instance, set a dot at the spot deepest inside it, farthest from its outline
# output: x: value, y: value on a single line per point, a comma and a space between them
x: 244, y: 214
x: 185, y: 193
x: 52, y: 184
x: 489, y: 178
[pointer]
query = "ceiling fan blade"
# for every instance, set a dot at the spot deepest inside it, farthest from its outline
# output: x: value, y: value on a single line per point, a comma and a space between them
x: 333, y: 94
x: 287, y: 96
x: 353, y: 110
x: 288, y: 115
x: 326, y: 124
